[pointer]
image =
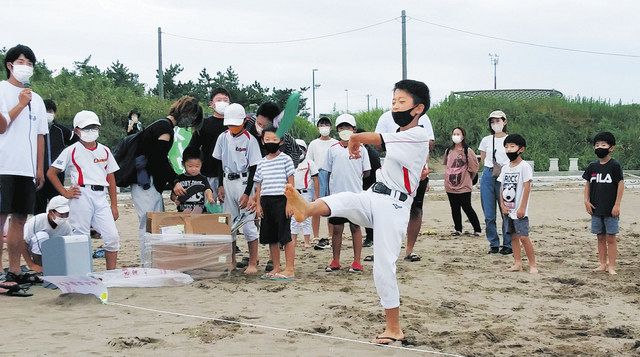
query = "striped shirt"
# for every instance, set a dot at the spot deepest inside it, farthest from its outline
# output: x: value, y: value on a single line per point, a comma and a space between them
x: 272, y: 174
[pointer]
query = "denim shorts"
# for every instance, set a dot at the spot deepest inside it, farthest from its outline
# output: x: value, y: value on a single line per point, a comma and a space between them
x: 323, y: 178
x: 517, y: 227
x: 604, y: 225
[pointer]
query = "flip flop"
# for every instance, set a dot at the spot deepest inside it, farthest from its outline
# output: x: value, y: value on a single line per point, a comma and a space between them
x: 14, y: 290
x: 412, y: 258
x: 280, y: 277
x: 368, y: 258
x: 392, y: 340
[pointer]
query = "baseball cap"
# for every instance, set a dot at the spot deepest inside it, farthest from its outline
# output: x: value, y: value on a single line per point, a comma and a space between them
x: 85, y: 118
x: 301, y: 143
x: 497, y: 114
x: 234, y: 114
x: 346, y: 118
x: 58, y: 204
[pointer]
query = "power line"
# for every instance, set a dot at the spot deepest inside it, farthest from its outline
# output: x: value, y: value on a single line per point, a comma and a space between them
x: 527, y: 43
x: 282, y: 41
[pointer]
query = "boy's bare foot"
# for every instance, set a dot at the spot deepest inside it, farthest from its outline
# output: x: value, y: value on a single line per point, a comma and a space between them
x: 388, y: 338
x: 600, y: 268
x: 612, y: 271
x: 533, y: 270
x: 306, y: 246
x: 251, y: 270
x: 288, y: 273
x: 297, y: 202
x: 515, y: 267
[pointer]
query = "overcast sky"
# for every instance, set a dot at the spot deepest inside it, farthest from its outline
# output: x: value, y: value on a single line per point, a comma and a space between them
x: 364, y: 62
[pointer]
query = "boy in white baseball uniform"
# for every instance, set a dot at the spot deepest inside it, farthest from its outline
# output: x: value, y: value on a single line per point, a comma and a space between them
x: 307, y: 183
x: 386, y: 205
x: 54, y: 222
x: 90, y: 166
x: 239, y: 153
x: 345, y: 175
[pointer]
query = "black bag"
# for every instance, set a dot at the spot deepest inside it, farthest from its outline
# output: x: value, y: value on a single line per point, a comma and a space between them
x: 474, y: 179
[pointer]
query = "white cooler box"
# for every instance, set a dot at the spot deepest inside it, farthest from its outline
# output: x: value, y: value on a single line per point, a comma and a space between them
x: 67, y: 255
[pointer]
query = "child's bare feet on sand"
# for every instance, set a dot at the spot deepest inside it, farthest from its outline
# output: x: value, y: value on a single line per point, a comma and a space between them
x: 600, y: 268
x: 251, y: 270
x: 533, y: 270
x: 288, y: 273
x: 297, y: 202
x: 612, y: 271
x: 515, y: 267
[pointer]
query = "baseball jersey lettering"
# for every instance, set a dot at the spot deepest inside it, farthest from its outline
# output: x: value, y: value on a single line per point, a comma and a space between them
x: 87, y: 166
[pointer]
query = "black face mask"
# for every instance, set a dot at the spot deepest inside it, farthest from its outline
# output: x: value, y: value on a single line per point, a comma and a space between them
x: 271, y: 148
x: 513, y: 155
x: 403, y: 118
x: 601, y: 152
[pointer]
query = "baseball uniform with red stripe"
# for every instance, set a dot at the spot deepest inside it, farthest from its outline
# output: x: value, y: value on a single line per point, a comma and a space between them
x: 387, y: 214
x: 88, y: 169
x: 303, y: 181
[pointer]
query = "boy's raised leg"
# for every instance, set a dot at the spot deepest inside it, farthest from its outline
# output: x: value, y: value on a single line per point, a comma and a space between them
x: 602, y: 253
x: 303, y: 209
x: 517, y: 254
x: 612, y: 253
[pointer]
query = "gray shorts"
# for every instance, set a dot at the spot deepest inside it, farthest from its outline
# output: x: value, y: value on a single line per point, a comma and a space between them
x: 518, y: 227
x: 604, y: 225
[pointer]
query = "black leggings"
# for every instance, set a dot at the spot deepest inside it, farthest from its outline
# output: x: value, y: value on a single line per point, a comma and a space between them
x: 463, y: 200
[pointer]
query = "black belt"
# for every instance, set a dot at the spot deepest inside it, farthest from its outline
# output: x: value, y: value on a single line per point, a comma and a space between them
x: 234, y: 176
x: 304, y: 190
x: 94, y: 187
x: 381, y: 188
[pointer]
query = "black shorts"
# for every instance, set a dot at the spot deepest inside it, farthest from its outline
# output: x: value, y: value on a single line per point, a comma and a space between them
x: 418, y: 200
x: 275, y: 227
x: 17, y: 194
x: 338, y: 220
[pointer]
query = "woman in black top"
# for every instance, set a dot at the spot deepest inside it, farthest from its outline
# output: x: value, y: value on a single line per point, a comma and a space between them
x: 156, y: 141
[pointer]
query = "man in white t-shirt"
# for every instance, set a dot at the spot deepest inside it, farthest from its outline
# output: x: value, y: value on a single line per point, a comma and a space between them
x: 317, y: 153
x: 22, y: 129
x: 386, y: 205
x: 386, y: 124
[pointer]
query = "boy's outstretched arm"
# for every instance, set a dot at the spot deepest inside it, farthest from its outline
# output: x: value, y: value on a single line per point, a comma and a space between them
x: 113, y: 195
x: 526, y: 190
x: 616, y: 206
x: 587, y: 200
x: 362, y: 138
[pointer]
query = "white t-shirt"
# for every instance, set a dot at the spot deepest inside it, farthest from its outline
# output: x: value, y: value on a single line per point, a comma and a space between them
x: 40, y: 223
x: 513, y: 179
x: 486, y: 145
x: 407, y: 152
x: 87, y: 166
x: 272, y: 174
x: 237, y: 153
x: 19, y: 144
x: 346, y: 173
x: 317, y: 151
x: 303, y: 176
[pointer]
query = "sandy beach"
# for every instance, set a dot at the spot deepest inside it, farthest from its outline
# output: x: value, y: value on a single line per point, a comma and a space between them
x: 457, y: 300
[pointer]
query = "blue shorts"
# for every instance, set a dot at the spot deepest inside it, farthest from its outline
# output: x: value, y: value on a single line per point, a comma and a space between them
x: 604, y: 225
x: 323, y: 178
x: 517, y: 227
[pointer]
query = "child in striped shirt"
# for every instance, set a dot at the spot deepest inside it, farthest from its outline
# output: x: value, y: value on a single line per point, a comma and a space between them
x: 275, y: 171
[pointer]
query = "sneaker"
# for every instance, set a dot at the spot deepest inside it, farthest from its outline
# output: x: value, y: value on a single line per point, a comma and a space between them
x: 493, y: 250
x: 456, y: 233
x: 323, y: 243
x: 355, y: 268
x: 333, y: 266
x: 506, y: 251
x: 367, y: 243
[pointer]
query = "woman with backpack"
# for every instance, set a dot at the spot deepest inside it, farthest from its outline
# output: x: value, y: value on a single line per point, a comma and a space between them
x: 460, y: 175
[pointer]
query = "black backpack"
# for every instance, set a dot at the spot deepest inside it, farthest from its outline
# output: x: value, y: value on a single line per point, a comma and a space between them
x: 474, y: 179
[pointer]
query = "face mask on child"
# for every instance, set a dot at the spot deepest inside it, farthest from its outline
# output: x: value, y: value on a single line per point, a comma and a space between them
x: 345, y: 134
x: 324, y: 130
x: 89, y: 135
x: 271, y: 148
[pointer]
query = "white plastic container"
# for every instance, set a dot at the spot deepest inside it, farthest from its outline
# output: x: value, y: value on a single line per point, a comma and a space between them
x: 68, y: 255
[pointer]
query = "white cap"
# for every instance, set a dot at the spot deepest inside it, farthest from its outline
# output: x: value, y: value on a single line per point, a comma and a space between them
x: 497, y: 114
x: 58, y: 204
x: 301, y: 143
x: 234, y: 114
x: 346, y: 118
x: 85, y: 118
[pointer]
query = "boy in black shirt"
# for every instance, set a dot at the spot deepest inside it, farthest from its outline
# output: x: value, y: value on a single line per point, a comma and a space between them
x: 193, y: 182
x: 602, y: 196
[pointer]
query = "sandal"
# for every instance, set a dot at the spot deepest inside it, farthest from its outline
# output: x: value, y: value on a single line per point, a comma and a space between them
x: 368, y: 258
x: 29, y: 277
x: 14, y: 290
x: 412, y: 258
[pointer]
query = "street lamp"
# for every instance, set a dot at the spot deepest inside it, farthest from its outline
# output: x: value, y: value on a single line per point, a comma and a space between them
x: 313, y: 89
x: 346, y: 90
x: 494, y: 61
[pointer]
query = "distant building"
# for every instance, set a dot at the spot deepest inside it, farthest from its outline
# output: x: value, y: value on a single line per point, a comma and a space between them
x: 511, y: 93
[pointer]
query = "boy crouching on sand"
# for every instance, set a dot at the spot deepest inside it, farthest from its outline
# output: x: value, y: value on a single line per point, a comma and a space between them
x: 274, y: 172
x: 515, y: 179
x: 91, y: 166
x: 602, y: 196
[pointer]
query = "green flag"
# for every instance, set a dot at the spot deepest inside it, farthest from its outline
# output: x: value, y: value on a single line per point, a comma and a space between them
x: 181, y: 138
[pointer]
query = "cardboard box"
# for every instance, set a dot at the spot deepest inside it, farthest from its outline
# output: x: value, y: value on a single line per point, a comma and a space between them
x: 193, y: 223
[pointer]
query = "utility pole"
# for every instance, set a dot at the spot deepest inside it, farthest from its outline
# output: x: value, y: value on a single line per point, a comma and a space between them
x: 346, y: 90
x: 494, y: 61
x: 368, y: 96
x: 160, y: 76
x: 404, y: 45
x: 313, y: 86
x: 376, y: 103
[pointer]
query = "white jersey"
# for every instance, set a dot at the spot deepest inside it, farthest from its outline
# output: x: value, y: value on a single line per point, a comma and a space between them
x: 87, y: 166
x: 237, y: 153
x: 346, y: 173
x: 40, y: 223
x: 317, y: 151
x: 406, y: 155
x: 487, y: 145
x: 19, y: 144
x: 303, y: 176
x: 512, y: 188
x: 387, y: 125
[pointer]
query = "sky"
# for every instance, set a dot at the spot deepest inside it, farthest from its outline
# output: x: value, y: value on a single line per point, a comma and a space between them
x: 353, y: 64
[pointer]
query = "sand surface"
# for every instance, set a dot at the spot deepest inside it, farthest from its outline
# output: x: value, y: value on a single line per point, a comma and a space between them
x: 457, y: 300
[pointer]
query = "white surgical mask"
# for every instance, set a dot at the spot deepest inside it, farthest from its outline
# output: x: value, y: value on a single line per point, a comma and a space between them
x: 59, y: 220
x: 22, y: 73
x: 219, y: 107
x: 345, y: 135
x: 324, y: 130
x: 457, y: 139
x: 89, y: 135
x: 259, y: 129
x: 497, y: 127
x: 50, y: 117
